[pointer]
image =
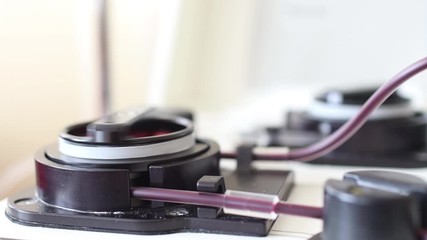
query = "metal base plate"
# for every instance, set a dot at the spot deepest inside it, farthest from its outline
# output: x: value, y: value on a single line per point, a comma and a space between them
x: 158, y: 218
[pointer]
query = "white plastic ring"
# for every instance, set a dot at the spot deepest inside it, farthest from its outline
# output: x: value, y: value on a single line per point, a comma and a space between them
x: 113, y: 152
x: 343, y: 112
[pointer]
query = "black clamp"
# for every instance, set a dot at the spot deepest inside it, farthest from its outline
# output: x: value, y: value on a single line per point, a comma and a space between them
x: 244, y: 157
x: 210, y: 184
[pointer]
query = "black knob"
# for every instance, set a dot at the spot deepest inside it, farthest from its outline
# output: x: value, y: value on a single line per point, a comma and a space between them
x: 354, y: 212
x: 394, y: 182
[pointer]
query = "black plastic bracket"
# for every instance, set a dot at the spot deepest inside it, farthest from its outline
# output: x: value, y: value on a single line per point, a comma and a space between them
x: 212, y: 184
x: 245, y: 157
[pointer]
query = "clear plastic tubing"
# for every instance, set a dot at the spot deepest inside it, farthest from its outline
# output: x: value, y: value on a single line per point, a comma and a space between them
x: 233, y: 202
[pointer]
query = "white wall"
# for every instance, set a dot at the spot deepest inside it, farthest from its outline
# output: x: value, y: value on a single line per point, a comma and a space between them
x: 39, y: 89
x: 245, y: 62
x: 227, y: 48
x: 337, y: 42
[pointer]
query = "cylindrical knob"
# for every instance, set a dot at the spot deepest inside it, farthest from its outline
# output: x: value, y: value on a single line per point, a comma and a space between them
x: 396, y: 182
x: 353, y: 212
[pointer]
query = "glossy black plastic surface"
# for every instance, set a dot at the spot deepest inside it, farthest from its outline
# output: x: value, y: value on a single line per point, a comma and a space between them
x: 105, y: 186
x: 354, y: 212
x: 395, y: 182
x: 155, y: 218
x: 132, y: 127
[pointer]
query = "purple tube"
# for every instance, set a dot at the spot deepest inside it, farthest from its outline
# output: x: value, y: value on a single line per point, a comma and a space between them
x: 346, y: 131
x: 233, y: 202
x: 179, y: 196
x: 299, y: 210
x: 423, y: 234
